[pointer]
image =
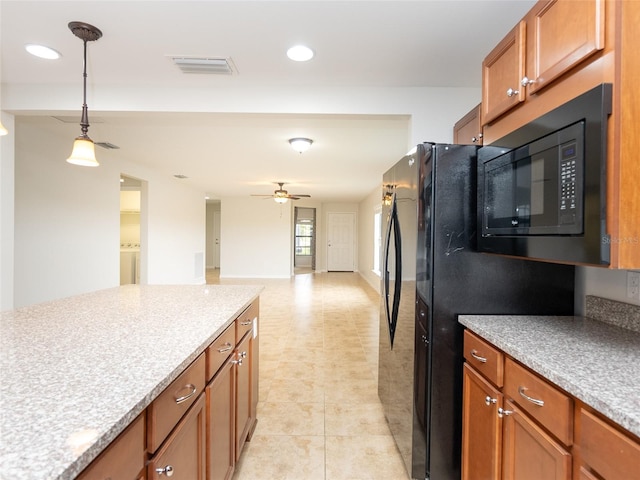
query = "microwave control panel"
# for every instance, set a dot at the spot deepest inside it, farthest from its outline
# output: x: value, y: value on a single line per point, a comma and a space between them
x: 568, y: 180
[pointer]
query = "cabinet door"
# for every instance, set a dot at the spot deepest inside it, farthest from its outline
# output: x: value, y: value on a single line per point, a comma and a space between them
x: 467, y: 130
x: 502, y: 71
x: 481, y: 427
x: 221, y: 423
x: 182, y: 455
x: 243, y: 392
x: 563, y: 34
x: 528, y: 452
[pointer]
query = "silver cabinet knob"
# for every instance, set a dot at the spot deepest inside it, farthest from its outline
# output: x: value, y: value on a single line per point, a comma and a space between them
x: 168, y: 471
x: 488, y: 401
x: 474, y: 139
x: 525, y: 82
x: 503, y: 413
x: 511, y: 92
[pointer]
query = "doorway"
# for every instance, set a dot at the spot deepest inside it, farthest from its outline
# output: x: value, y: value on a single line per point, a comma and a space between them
x: 341, y: 242
x: 130, y: 229
x: 304, y: 258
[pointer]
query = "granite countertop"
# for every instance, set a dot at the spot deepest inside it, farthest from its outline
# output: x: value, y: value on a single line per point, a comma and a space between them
x: 76, y: 371
x: 594, y: 361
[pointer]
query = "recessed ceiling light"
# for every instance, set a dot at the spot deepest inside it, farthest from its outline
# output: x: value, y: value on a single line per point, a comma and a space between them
x: 300, y: 53
x: 42, y: 52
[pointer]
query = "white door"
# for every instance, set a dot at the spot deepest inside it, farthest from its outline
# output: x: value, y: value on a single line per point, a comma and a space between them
x: 216, y: 239
x: 340, y: 241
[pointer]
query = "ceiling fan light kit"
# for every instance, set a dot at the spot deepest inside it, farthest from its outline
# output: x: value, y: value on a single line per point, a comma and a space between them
x: 84, y: 152
x: 300, y: 144
x: 282, y: 196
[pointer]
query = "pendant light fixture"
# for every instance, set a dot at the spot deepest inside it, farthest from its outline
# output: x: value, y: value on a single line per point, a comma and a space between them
x: 84, y: 152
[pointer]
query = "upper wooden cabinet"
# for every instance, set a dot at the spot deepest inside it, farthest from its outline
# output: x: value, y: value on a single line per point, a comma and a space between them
x: 554, y: 37
x: 467, y: 130
x: 565, y: 48
x: 502, y: 71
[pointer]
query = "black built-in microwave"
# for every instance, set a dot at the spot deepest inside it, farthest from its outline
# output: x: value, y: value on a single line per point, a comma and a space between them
x: 542, y: 188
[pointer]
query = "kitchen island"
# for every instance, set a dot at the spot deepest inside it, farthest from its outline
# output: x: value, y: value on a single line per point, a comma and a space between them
x: 76, y: 372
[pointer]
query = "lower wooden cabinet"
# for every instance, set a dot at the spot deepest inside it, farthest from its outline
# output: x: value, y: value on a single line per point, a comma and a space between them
x: 529, y: 453
x: 182, y: 455
x: 481, y: 428
x: 531, y: 429
x: 244, y: 420
x: 221, y: 418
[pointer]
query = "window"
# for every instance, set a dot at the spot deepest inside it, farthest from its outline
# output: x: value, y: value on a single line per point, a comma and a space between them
x: 377, y: 239
x: 304, y: 233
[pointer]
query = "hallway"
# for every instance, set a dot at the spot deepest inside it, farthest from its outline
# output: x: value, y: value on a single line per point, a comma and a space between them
x: 319, y: 416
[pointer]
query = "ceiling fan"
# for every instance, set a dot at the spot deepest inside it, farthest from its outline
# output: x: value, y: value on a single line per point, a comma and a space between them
x: 281, y: 196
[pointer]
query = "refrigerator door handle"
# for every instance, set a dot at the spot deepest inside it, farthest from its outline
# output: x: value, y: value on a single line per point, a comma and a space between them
x: 391, y: 311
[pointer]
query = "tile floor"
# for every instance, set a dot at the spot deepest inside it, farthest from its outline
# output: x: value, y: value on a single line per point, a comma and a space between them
x: 319, y: 416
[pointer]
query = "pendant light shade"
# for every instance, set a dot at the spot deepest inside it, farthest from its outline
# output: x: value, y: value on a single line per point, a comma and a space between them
x: 280, y: 199
x: 84, y: 152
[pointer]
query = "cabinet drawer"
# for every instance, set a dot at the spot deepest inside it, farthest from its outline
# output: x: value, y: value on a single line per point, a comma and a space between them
x: 165, y: 411
x: 220, y: 350
x: 547, y: 404
x: 609, y: 452
x: 484, y: 357
x: 246, y: 320
x: 123, y: 459
x: 182, y: 456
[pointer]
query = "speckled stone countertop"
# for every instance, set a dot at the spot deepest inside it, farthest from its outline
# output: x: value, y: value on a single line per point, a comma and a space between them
x: 594, y: 361
x: 76, y: 371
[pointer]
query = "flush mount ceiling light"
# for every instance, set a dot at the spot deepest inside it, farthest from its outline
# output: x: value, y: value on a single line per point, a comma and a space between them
x: 300, y: 144
x: 84, y: 152
x: 42, y: 51
x: 300, y: 53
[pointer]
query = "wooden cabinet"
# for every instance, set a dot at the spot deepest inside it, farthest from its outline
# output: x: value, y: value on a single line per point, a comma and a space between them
x: 554, y: 37
x: 221, y: 410
x: 500, y: 440
x: 559, y: 50
x: 531, y: 429
x: 182, y: 455
x: 481, y: 428
x: 165, y: 411
x: 604, y: 449
x: 244, y: 419
x: 529, y: 453
x: 123, y: 459
x: 467, y: 130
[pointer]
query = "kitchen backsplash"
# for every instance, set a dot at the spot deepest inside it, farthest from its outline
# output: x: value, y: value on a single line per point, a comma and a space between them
x: 621, y: 314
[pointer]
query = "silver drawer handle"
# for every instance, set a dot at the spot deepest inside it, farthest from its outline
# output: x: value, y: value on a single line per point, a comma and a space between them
x: 474, y: 354
x: 535, y: 401
x: 511, y: 92
x: 168, y: 471
x: 488, y: 400
x: 248, y: 322
x: 226, y: 348
x: 193, y: 389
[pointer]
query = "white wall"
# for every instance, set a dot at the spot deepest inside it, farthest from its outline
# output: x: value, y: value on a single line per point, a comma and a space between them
x: 366, y: 211
x: 256, y: 238
x: 67, y: 222
x: 601, y: 282
x: 6, y: 213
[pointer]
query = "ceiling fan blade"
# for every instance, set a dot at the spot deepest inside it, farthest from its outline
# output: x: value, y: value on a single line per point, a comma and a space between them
x: 300, y: 195
x: 258, y: 195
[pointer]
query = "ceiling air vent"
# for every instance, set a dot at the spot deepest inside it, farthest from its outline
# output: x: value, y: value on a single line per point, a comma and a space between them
x: 217, y: 66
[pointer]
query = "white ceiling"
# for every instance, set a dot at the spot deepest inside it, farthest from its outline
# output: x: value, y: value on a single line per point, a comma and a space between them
x: 232, y: 150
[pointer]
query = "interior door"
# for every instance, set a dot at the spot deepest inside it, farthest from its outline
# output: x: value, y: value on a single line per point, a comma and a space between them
x: 340, y: 242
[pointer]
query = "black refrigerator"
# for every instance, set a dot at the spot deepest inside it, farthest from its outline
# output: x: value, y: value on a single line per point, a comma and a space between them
x: 431, y: 273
